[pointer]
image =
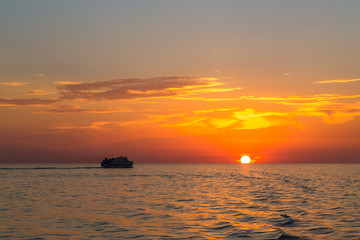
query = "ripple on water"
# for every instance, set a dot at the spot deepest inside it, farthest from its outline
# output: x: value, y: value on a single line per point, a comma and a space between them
x: 185, y: 200
x: 239, y: 234
x: 321, y: 230
x: 285, y: 236
x: 181, y: 202
x: 285, y: 221
x: 221, y: 226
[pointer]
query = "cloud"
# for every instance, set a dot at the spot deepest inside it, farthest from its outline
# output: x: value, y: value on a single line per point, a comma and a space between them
x: 36, y: 92
x: 199, y: 124
x: 214, y: 90
x: 95, y: 125
x: 214, y: 110
x: 332, y: 108
x: 39, y: 75
x: 148, y: 120
x: 120, y: 89
x: 341, y: 116
x: 136, y: 88
x: 317, y: 99
x: 14, y: 84
x: 255, y: 120
x: 126, y: 89
x: 103, y: 125
x: 26, y: 102
x: 208, y: 99
x: 206, y: 121
x: 65, y: 82
x: 221, y: 122
x: 335, y: 114
x: 63, y: 109
x: 338, y: 81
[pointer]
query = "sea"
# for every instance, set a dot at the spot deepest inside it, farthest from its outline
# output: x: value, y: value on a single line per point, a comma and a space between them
x: 180, y: 201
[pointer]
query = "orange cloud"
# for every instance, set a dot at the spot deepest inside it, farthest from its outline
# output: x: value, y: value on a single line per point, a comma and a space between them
x: 66, y: 82
x: 250, y: 119
x: 137, y: 88
x: 14, y: 84
x: 332, y: 115
x: 95, y: 125
x: 332, y: 108
x: 36, y: 92
x: 203, y: 99
x: 338, y: 81
x: 300, y: 99
x: 141, y: 121
x: 232, y: 119
x: 214, y: 110
x: 122, y: 89
x: 71, y: 109
x: 26, y: 101
x: 221, y: 122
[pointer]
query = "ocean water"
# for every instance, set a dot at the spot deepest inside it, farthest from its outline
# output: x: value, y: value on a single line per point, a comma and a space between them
x: 180, y: 201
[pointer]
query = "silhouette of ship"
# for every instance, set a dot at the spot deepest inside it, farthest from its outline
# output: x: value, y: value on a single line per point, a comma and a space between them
x: 117, y: 162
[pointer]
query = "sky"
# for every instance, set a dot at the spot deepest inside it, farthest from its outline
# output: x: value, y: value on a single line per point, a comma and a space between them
x: 180, y: 81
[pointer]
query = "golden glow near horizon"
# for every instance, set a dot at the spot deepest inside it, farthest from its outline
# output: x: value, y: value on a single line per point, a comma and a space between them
x: 245, y: 159
x: 176, y: 89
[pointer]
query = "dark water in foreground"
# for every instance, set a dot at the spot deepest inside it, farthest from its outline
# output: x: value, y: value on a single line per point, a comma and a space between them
x: 175, y: 201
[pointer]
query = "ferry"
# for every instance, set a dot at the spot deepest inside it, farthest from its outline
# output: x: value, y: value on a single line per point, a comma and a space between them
x: 117, y: 162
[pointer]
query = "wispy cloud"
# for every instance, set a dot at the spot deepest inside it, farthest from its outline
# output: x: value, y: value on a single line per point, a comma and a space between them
x: 137, y: 88
x: 102, y: 125
x: 338, y: 81
x: 250, y: 119
x: 66, y: 82
x: 204, y: 99
x: 205, y: 121
x: 95, y: 125
x: 65, y: 109
x: 332, y: 108
x: 333, y: 114
x: 36, y: 92
x: 317, y: 99
x: 214, y: 110
x: 14, y: 84
x: 221, y: 122
x: 121, y: 89
x: 133, y: 89
x: 26, y: 101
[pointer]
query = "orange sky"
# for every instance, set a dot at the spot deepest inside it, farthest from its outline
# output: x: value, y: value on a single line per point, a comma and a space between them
x: 180, y: 82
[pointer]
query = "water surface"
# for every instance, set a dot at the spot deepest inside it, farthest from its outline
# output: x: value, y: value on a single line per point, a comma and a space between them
x: 180, y: 201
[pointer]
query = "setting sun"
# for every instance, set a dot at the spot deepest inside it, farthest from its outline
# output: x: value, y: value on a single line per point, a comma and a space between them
x: 245, y: 160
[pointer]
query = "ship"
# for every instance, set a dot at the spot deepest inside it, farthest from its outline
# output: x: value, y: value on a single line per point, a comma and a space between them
x: 117, y: 162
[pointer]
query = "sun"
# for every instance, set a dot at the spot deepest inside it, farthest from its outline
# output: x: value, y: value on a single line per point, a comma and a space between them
x: 245, y: 160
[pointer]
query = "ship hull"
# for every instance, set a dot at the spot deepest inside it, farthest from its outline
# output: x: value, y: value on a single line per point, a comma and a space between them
x: 117, y: 166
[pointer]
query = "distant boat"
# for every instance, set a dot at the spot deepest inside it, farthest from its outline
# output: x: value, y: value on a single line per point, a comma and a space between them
x: 117, y: 162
